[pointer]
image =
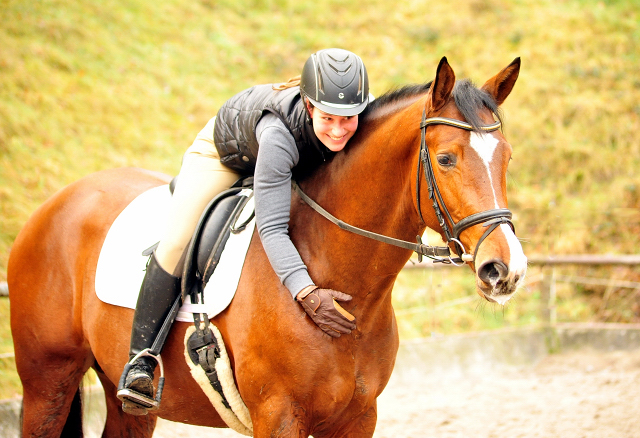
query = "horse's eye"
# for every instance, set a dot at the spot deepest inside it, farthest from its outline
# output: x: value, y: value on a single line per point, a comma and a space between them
x: 446, y: 160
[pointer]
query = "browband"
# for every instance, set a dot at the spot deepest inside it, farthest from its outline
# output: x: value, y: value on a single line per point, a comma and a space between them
x: 458, y: 124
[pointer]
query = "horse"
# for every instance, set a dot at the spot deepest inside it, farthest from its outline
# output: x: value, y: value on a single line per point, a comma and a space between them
x: 295, y: 380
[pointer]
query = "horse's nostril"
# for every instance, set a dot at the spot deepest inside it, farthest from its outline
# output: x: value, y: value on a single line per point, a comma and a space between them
x: 493, y: 271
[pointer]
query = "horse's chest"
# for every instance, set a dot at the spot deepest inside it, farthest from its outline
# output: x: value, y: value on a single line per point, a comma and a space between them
x: 362, y: 384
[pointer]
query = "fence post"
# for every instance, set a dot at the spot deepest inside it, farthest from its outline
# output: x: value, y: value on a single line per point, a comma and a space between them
x: 548, y: 307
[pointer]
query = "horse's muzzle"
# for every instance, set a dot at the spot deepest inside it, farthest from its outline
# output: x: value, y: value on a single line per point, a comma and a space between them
x: 496, y: 282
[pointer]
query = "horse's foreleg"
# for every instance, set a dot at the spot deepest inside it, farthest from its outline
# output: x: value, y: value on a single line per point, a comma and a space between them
x: 49, y: 390
x: 288, y: 420
x: 278, y: 417
x: 360, y: 427
x: 119, y: 423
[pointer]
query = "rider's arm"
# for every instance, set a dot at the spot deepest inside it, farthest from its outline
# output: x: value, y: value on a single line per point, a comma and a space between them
x: 272, y: 183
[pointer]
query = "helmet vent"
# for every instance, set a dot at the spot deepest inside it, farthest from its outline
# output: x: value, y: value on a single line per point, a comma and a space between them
x: 320, y: 82
x: 338, y: 71
x: 338, y: 65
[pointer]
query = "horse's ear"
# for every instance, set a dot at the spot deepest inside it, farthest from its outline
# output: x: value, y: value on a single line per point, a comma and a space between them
x: 442, y: 85
x: 501, y: 84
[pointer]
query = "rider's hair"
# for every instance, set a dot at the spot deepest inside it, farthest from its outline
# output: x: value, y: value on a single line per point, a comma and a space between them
x: 292, y: 82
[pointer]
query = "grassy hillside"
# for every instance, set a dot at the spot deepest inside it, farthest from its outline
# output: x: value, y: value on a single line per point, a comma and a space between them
x: 89, y: 85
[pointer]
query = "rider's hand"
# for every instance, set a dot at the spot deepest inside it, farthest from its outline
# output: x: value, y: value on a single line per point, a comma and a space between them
x: 321, y: 305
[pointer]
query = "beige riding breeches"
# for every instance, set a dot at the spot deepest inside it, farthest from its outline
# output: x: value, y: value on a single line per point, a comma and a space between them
x: 201, y: 177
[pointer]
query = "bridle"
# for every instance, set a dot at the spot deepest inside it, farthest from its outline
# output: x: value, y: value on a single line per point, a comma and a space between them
x: 491, y: 219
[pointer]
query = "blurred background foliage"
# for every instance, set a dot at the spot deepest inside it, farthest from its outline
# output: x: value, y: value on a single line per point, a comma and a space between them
x: 86, y: 86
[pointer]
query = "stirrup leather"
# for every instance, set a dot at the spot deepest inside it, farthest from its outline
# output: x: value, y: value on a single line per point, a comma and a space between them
x: 131, y: 396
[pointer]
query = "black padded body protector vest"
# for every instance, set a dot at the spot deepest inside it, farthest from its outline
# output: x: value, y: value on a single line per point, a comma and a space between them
x: 235, y: 128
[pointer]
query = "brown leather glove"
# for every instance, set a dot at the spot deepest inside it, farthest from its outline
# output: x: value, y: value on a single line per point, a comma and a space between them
x: 321, y: 306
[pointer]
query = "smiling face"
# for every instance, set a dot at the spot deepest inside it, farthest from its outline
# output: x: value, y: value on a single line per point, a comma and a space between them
x: 333, y: 131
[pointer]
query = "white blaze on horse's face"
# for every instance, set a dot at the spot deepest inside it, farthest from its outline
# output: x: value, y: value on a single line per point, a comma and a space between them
x: 502, y: 287
x: 485, y: 145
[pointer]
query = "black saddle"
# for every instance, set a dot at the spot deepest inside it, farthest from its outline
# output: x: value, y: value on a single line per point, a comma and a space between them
x: 218, y: 221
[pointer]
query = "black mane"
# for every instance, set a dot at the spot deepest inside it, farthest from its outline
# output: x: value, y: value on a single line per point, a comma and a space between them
x: 469, y: 99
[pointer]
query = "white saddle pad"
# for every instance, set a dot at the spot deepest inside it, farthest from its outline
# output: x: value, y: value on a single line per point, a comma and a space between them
x: 139, y: 226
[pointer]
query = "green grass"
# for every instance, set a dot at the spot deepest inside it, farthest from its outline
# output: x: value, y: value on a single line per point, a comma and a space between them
x: 6, y: 345
x: 86, y: 86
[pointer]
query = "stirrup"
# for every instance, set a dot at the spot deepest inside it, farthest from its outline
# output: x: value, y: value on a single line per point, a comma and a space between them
x: 141, y: 401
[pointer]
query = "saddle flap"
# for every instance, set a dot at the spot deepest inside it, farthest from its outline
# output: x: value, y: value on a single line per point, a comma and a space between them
x: 215, y: 233
x: 210, y: 237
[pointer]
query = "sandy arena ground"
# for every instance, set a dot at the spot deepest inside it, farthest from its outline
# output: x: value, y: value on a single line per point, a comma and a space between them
x: 583, y: 394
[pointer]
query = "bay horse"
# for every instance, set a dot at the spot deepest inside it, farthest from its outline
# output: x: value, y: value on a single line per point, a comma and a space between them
x: 294, y: 379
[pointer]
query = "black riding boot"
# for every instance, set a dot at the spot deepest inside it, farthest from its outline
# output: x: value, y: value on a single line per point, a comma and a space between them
x: 158, y: 293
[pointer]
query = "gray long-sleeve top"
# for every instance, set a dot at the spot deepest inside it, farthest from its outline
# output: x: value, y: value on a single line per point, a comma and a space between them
x: 272, y: 187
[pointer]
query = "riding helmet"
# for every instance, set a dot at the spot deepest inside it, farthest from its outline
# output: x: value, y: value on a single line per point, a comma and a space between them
x: 336, y: 82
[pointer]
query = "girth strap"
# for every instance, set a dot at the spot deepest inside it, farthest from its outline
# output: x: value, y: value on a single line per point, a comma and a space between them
x: 204, y: 351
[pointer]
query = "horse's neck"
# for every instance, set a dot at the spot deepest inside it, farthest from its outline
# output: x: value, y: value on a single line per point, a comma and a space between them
x: 369, y: 185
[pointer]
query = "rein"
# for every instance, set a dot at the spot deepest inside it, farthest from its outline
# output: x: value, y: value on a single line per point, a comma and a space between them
x: 440, y: 254
x: 420, y: 248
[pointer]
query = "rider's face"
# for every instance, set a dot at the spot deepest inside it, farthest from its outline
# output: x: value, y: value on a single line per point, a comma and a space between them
x: 333, y: 131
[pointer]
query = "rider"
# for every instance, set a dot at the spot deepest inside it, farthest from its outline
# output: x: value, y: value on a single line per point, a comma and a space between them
x: 296, y: 126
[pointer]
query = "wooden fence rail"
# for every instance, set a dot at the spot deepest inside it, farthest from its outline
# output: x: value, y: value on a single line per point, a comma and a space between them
x: 548, y: 262
x: 584, y: 259
x: 549, y: 279
x: 551, y: 260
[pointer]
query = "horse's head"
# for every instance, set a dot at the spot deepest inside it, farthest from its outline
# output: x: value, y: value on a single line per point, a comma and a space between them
x: 469, y: 164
